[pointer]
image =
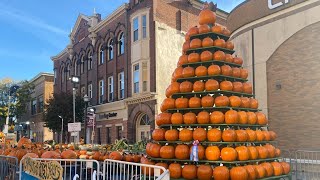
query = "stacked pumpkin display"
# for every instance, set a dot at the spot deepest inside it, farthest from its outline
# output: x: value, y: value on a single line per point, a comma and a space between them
x: 210, y: 100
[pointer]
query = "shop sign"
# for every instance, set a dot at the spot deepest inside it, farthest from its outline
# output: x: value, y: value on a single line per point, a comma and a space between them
x: 33, y: 169
x: 272, y: 5
x: 107, y: 115
x: 91, y: 117
x: 74, y: 127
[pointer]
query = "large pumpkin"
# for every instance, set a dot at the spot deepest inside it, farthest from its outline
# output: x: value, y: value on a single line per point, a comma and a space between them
x: 207, y: 101
x: 243, y: 153
x: 186, y: 86
x: 152, y: 150
x: 167, y: 152
x: 229, y: 135
x: 221, y: 101
x: 238, y: 173
x: 175, y: 170
x: 231, y: 117
x: 69, y: 154
x: 221, y: 173
x: 181, y: 103
x: 214, y: 70
x: 204, y: 172
x: 214, y: 135
x: 189, y: 171
x: 206, y: 16
x: 185, y: 135
x: 194, y: 102
x: 203, y: 117
x: 182, y: 151
x: 216, y: 117
x: 228, y: 154
x: 159, y: 134
x: 199, y: 134
x: 211, y: 85
x: 163, y: 118
x: 212, y: 153
x: 167, y: 103
x: 176, y: 118
x: 171, y: 135
x: 189, y: 118
x: 201, y: 71
x: 51, y: 155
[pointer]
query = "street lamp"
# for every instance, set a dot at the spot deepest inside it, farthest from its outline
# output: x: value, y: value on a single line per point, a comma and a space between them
x: 61, y: 135
x: 86, y: 99
x: 28, y: 128
x: 92, y: 110
x: 75, y: 80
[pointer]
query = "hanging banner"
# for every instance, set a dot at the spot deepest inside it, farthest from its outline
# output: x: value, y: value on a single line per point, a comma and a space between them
x: 91, y: 117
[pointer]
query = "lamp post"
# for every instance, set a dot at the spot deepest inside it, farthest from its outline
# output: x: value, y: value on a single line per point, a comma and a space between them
x: 75, y: 80
x: 86, y: 99
x: 61, y: 135
x: 28, y: 129
x: 93, y: 110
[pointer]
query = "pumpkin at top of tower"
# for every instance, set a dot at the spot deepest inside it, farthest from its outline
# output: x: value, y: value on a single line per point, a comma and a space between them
x: 207, y: 15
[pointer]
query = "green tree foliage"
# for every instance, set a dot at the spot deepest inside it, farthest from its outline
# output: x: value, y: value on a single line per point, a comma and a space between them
x: 62, y: 105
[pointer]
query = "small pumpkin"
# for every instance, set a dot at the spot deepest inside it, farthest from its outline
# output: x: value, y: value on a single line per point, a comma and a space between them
x: 182, y: 151
x: 51, y: 155
x: 188, y: 72
x: 211, y: 85
x: 69, y: 154
x: 235, y: 101
x: 194, y: 102
x: 243, y: 117
x: 193, y: 31
x: 253, y: 152
x: 199, y: 134
x: 176, y: 118
x: 267, y: 136
x: 260, y: 171
x: 204, y: 172
x: 159, y: 134
x: 163, y: 118
x: 206, y: 56
x: 220, y: 43
x: 247, y: 87
x: 203, y: 117
x: 189, y: 118
x: 214, y: 70
x: 243, y: 153
x: 252, y: 117
x: 152, y: 150
x: 252, y: 136
x: 228, y: 154
x: 273, y: 135
x: 207, y: 42
x: 189, y: 171
x: 229, y: 45
x: 204, y: 28
x: 251, y: 172
x: 245, y: 102
x: 231, y: 117
x: 286, y: 167
x: 175, y: 170
x: 177, y: 74
x: 217, y: 29
x: 171, y: 135
x: 167, y: 103
x: 195, y: 43
x: 271, y: 150
x: 229, y: 58
x: 278, y: 152
x: 238, y: 173
x: 236, y: 72
x: 277, y: 168
x: 219, y: 56
x: 244, y: 73
x: 237, y: 87
x: 207, y: 101
x: 221, y: 173
x: 173, y: 88
x: 186, y: 86
x: 214, y: 135
x: 226, y: 32
x: 261, y: 118
x: 193, y: 57
x: 238, y: 60
x: 212, y: 153
x: 181, y: 103
x: 260, y: 135
x: 229, y: 135
x: 185, y: 135
x: 201, y: 71
x: 167, y: 152
x: 226, y: 70
x: 183, y: 59
x: 216, y: 117
x: 268, y: 167
x: 185, y: 46
x: 262, y: 152
x: 226, y: 86
x: 221, y: 101
x: 242, y: 135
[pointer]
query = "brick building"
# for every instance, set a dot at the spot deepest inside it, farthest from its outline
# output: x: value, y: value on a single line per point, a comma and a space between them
x: 43, y: 91
x: 123, y: 62
x: 279, y: 43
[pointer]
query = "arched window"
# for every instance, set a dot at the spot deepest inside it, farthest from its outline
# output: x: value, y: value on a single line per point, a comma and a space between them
x: 82, y: 64
x: 101, y: 54
x: 110, y: 49
x: 75, y: 66
x: 121, y: 43
x: 145, y: 120
x: 62, y: 74
x: 89, y: 62
x: 68, y: 71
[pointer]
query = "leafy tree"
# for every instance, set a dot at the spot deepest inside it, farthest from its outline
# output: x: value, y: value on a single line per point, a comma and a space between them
x: 62, y: 105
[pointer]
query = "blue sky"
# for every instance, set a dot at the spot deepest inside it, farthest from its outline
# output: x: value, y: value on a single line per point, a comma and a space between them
x: 34, y: 30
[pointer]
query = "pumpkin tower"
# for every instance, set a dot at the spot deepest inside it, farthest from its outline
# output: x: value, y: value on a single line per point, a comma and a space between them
x: 210, y: 126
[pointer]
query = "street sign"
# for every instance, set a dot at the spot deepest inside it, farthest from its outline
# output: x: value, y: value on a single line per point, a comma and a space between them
x: 74, y: 133
x: 90, y: 119
x: 74, y: 127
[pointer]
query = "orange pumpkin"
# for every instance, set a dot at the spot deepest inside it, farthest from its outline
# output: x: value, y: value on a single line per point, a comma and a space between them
x: 273, y: 135
x: 253, y: 152
x: 260, y: 171
x: 207, y: 42
x: 277, y: 168
x: 175, y: 170
x: 31, y: 155
x: 188, y: 72
x: 226, y: 86
x: 204, y: 28
x: 206, y: 16
x: 182, y: 151
x: 235, y: 101
x: 243, y: 117
x: 167, y: 152
x: 252, y: 117
x: 261, y: 118
x: 203, y: 117
x: 226, y: 32
x: 251, y: 172
x: 243, y: 153
x: 221, y: 173
x: 220, y: 43
x: 186, y: 86
x: 24, y: 141
x: 199, y: 134
x: 278, y: 152
x: 238, y: 60
x: 159, y: 134
x: 216, y: 117
x: 286, y: 167
x: 147, y: 170
x: 229, y: 45
x: 186, y: 46
x: 226, y: 70
x: 194, y: 102
x: 183, y: 59
x: 212, y: 153
x: 193, y: 57
x: 177, y: 118
x: 181, y: 103
x: 228, y: 154
x: 268, y: 167
x: 163, y: 118
x: 219, y: 56
x: 252, y: 136
x: 214, y: 135
x: 193, y: 31
x: 214, y: 70
x: 211, y: 85
x: 167, y: 103
x: 229, y: 58
x: 69, y: 154
x: 267, y: 136
x: 247, y: 87
x: 217, y: 29
x: 152, y: 150
x: 185, y: 135
x: 165, y: 165
x: 229, y: 135
x: 189, y: 118
x: 204, y: 172
x: 171, y: 135
x: 237, y: 87
x: 206, y: 56
x: 177, y: 74
x: 195, y: 43
x: 231, y: 117
x: 189, y: 171
x: 20, y: 153
x: 245, y: 102
x: 242, y: 135
x: 198, y: 86
x: 271, y: 150
x: 207, y: 101
x: 238, y: 173
x: 173, y: 88
x: 244, y: 73
x: 254, y: 103
x: 221, y: 101
x: 201, y: 71
x: 236, y: 72
x: 262, y: 152
x: 51, y: 155
x: 260, y: 135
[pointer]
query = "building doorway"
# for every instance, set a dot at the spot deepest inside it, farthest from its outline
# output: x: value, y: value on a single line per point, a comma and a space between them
x: 143, y: 128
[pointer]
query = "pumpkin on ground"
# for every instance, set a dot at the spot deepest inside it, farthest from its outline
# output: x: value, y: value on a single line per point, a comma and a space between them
x: 69, y: 154
x: 51, y: 155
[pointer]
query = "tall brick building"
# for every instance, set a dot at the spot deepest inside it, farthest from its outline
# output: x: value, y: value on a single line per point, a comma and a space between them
x: 123, y: 62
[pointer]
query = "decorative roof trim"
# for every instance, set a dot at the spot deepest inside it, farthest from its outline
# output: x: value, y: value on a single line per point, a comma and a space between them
x: 62, y: 53
x: 77, y: 24
x: 140, y: 98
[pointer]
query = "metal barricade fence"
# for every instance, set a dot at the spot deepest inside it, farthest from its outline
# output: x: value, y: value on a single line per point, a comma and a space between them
x: 9, y: 168
x: 80, y: 169
x: 307, y: 165
x: 121, y: 170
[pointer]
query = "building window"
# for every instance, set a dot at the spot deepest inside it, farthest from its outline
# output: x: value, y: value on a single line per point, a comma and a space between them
x: 63, y: 74
x: 75, y: 67
x: 82, y: 65
x: 68, y: 71
x: 101, y: 90
x: 110, y: 49
x: 136, y: 78
x: 135, y: 29
x: 83, y: 91
x: 40, y: 100
x: 144, y: 78
x: 101, y: 54
x: 89, y: 63
x: 144, y: 26
x: 119, y: 132
x: 110, y: 88
x: 108, y: 131
x: 121, y: 85
x: 99, y: 135
x: 90, y: 90
x: 121, y: 43
x: 34, y: 107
